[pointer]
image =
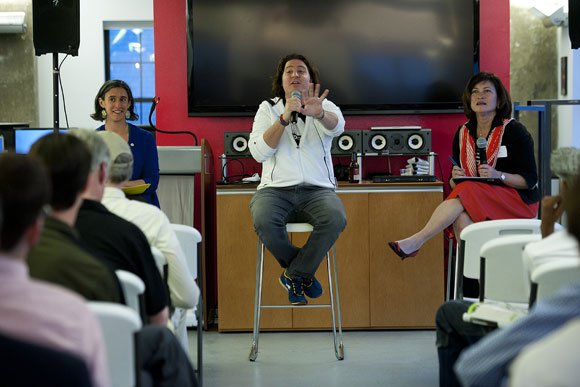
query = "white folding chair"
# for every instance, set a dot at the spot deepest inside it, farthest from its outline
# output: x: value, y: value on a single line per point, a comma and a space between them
x: 190, y: 242
x: 119, y: 324
x: 549, y: 277
x: 504, y: 282
x: 133, y: 289
x: 503, y: 276
x: 475, y: 235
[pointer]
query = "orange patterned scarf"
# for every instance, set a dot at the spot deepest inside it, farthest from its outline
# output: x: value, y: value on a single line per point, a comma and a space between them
x: 467, y: 148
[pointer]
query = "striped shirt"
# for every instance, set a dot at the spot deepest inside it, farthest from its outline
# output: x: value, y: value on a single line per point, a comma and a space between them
x: 487, y: 362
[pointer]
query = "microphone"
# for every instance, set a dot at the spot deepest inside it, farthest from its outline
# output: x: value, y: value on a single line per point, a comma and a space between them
x: 481, y: 143
x: 294, y: 116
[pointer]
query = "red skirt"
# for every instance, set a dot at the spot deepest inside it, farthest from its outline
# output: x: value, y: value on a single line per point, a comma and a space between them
x: 484, y: 201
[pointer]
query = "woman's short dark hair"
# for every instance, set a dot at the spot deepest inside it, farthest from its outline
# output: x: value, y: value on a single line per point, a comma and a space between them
x: 277, y: 89
x: 111, y: 84
x: 504, y: 101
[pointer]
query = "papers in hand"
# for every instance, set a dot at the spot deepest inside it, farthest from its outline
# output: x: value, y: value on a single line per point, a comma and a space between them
x: 135, y: 190
x: 489, y: 180
x: 494, y: 313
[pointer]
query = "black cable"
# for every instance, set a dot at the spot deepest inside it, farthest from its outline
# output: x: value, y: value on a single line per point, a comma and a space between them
x: 155, y: 102
x: 62, y: 89
x: 226, y: 178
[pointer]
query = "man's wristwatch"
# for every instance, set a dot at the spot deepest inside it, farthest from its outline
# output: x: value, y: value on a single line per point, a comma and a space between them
x: 502, y: 176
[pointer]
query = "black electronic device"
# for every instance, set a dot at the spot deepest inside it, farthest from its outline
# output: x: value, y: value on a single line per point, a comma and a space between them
x: 387, y: 56
x: 56, y: 26
x: 403, y: 179
x: 404, y: 142
x: 574, y: 23
x: 349, y: 142
x: 236, y: 144
x: 7, y: 131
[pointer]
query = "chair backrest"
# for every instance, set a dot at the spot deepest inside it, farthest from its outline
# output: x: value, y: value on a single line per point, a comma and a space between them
x: 133, y: 288
x: 160, y: 261
x: 476, y: 234
x: 551, y: 276
x: 119, y: 324
x: 189, y: 238
x: 503, y: 276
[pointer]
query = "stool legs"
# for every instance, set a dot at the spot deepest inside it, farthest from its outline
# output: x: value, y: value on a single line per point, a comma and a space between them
x: 257, y: 301
x: 338, y: 344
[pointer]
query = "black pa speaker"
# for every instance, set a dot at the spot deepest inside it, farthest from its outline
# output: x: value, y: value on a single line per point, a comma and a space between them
x: 396, y: 141
x: 236, y: 144
x: 349, y: 142
x: 574, y: 22
x: 56, y: 26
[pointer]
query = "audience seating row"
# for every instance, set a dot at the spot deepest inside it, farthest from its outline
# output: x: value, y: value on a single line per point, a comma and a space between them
x: 492, y: 252
x: 119, y: 322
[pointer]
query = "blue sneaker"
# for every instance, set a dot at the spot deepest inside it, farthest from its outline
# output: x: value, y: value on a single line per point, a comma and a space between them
x: 312, y: 287
x: 294, y: 288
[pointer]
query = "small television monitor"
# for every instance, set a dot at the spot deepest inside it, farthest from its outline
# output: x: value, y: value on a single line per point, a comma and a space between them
x: 7, y: 132
x: 25, y: 137
x: 1, y: 143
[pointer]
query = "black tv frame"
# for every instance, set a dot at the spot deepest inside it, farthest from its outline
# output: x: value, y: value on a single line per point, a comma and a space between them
x: 347, y: 109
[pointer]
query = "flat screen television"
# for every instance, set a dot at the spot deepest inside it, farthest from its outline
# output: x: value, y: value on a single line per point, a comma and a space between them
x: 375, y: 56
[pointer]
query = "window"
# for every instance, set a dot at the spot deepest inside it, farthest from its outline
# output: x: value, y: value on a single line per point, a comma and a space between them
x: 130, y: 56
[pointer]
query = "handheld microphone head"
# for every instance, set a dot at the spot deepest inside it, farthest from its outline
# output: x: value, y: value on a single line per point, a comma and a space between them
x: 294, y: 116
x: 481, y: 143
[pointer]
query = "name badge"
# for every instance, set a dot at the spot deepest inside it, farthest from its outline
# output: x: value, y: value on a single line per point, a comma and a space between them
x: 502, y: 152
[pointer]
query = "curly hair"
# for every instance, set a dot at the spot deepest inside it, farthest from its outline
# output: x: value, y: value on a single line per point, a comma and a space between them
x: 111, y: 84
x: 504, y: 101
x: 277, y: 89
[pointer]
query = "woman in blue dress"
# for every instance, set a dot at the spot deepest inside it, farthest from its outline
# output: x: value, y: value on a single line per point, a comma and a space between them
x: 114, y: 105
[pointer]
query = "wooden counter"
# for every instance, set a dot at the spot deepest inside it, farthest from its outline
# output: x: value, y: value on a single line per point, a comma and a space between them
x: 377, y: 289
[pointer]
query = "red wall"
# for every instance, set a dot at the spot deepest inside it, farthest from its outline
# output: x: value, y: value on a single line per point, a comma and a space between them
x: 171, y: 85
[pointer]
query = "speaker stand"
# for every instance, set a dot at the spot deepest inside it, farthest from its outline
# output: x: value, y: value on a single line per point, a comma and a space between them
x: 55, y: 76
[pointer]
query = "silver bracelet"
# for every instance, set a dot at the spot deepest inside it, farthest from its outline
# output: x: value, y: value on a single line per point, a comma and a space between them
x: 321, y: 117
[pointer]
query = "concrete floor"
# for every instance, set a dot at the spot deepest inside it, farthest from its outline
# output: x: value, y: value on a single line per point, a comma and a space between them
x: 372, y: 358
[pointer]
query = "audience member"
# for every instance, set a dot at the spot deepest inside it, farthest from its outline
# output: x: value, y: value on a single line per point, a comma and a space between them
x: 454, y: 334
x: 183, y: 290
x: 19, y: 357
x: 59, y: 257
x: 120, y: 243
x: 487, y: 362
x: 35, y: 311
x: 564, y: 163
x: 551, y: 361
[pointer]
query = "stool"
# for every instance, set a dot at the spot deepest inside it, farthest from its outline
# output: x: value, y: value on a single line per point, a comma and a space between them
x: 338, y: 346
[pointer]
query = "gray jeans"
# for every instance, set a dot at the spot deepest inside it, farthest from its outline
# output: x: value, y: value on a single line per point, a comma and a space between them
x: 272, y: 208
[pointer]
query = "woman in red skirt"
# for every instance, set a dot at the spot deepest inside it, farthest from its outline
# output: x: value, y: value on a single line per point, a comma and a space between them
x: 509, y: 151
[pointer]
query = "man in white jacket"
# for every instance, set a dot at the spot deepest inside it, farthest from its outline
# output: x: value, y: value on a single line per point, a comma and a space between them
x: 292, y: 136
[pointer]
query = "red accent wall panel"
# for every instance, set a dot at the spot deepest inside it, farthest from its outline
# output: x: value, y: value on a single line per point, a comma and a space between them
x: 171, y: 85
